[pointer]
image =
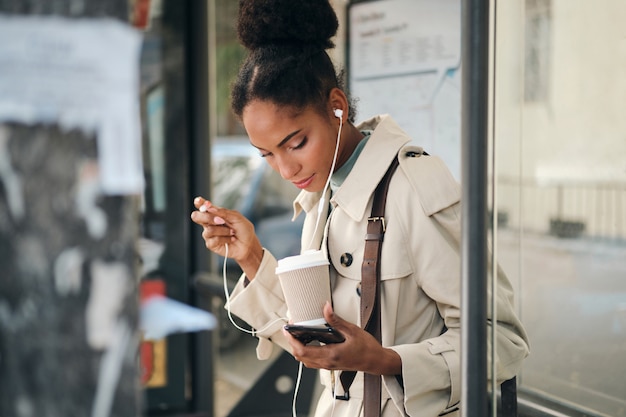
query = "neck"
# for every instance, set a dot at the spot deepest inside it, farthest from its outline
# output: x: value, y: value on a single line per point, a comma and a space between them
x: 350, y: 137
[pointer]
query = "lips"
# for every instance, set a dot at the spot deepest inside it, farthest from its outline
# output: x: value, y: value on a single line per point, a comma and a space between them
x: 304, y: 183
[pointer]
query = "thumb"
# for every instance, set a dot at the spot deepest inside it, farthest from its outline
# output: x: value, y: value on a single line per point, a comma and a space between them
x: 331, y: 318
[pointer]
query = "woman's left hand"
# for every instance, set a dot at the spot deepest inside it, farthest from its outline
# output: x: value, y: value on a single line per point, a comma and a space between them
x: 359, y: 352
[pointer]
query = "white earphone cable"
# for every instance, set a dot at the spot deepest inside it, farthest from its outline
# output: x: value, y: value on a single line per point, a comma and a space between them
x: 322, y: 203
x: 252, y: 332
x: 295, y: 391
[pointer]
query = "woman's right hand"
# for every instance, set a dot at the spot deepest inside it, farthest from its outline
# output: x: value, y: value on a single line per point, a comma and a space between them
x: 221, y: 226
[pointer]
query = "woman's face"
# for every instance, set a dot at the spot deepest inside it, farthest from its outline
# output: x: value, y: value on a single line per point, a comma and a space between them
x: 298, y: 146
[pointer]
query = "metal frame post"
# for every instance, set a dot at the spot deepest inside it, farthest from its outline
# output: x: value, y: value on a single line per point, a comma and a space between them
x: 474, y: 113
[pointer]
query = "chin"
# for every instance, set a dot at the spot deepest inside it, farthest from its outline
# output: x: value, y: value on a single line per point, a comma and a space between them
x: 315, y: 188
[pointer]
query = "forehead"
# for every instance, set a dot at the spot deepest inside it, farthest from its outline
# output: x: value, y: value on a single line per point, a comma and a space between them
x: 266, y: 123
x: 265, y: 108
x: 258, y: 109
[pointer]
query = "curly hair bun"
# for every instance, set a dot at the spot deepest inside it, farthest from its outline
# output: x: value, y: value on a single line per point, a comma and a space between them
x: 275, y: 22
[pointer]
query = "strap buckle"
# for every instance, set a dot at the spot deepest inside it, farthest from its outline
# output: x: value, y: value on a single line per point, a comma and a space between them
x: 381, y: 219
x: 346, y: 394
x: 344, y: 397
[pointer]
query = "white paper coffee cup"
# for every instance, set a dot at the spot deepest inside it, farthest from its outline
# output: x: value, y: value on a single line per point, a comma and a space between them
x: 305, y: 280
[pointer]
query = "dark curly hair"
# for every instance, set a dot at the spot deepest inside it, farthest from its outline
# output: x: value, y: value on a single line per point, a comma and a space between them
x: 287, y: 62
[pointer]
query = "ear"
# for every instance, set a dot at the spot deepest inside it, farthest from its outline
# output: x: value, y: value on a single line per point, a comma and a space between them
x: 337, y: 100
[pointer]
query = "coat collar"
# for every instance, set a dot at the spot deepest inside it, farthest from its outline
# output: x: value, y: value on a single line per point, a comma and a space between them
x: 353, y: 196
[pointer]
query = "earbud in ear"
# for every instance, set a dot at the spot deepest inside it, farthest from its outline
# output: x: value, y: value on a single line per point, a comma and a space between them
x: 338, y: 113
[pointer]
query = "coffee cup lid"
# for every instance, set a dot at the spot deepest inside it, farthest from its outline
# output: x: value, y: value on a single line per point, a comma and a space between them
x: 306, y: 259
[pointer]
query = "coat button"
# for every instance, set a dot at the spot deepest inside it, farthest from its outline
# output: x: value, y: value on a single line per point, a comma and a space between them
x: 346, y: 259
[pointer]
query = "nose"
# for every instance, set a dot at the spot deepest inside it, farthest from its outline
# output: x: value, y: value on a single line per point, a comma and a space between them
x: 288, y: 167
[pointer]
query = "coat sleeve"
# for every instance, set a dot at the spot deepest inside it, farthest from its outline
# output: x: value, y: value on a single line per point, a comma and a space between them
x: 431, y: 369
x: 261, y: 304
x: 512, y: 345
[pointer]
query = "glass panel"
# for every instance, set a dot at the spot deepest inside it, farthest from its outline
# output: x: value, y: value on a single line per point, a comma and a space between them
x: 236, y: 366
x: 228, y: 55
x: 152, y: 239
x: 241, y: 180
x: 560, y: 146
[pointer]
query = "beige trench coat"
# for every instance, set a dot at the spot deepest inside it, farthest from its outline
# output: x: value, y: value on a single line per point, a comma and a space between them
x: 420, y: 275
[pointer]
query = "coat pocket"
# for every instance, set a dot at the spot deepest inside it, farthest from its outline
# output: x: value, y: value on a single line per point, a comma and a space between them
x: 346, y: 246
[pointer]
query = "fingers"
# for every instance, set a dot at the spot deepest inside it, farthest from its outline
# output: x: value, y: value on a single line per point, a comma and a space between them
x: 219, y: 215
x: 207, y: 214
x: 203, y: 205
x: 291, y: 339
x: 198, y: 216
x: 325, y: 356
x: 302, y: 352
x: 198, y: 202
x: 221, y: 226
x: 211, y: 232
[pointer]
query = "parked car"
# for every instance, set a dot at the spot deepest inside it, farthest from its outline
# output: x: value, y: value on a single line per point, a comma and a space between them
x: 243, y: 181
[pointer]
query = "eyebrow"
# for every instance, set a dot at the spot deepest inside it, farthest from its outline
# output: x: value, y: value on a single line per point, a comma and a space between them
x: 285, y: 140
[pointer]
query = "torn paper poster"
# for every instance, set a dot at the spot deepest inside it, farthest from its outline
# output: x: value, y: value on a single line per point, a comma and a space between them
x: 160, y: 316
x: 79, y: 74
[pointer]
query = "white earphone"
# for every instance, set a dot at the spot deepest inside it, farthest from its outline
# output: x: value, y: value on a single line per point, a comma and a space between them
x: 338, y: 113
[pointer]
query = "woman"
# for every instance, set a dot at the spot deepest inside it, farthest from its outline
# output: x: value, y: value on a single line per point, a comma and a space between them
x: 291, y: 103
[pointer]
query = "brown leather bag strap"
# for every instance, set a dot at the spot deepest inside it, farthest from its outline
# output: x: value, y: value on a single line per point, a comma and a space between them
x: 370, y: 270
x: 370, y: 292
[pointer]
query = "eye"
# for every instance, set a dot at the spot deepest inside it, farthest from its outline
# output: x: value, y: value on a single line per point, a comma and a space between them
x: 301, y: 143
x: 265, y: 154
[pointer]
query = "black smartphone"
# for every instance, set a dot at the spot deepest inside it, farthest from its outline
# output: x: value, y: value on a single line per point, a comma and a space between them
x: 307, y: 334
